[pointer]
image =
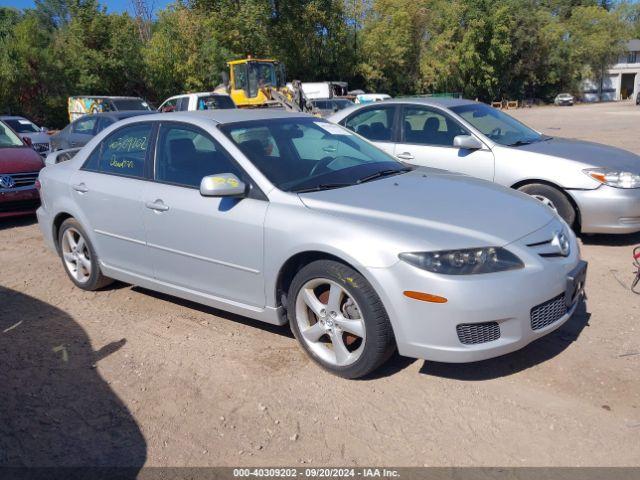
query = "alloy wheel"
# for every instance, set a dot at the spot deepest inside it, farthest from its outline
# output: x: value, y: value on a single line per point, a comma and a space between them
x: 330, y: 322
x: 76, y: 255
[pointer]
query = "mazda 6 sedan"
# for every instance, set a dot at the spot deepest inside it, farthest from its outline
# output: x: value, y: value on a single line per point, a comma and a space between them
x: 594, y: 188
x: 287, y: 218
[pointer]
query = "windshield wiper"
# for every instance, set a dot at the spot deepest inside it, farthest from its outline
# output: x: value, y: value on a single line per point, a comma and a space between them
x: 520, y: 142
x: 322, y: 186
x: 383, y: 173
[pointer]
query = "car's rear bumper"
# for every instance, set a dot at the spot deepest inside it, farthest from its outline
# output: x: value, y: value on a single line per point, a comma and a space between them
x: 608, y: 209
x: 18, y: 201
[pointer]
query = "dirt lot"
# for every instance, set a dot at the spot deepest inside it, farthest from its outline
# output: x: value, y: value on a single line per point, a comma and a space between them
x: 126, y: 376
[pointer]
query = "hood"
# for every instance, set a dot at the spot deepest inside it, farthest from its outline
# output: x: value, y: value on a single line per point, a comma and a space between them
x: 588, y: 153
x: 19, y: 159
x: 37, y: 137
x: 439, y: 208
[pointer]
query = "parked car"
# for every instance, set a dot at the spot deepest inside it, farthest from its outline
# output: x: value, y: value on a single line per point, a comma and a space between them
x: 365, y: 98
x: 564, y: 99
x: 19, y: 168
x: 286, y: 217
x: 79, y: 132
x: 38, y: 136
x: 197, y: 101
x: 594, y: 188
x: 329, y: 106
x: 83, y: 105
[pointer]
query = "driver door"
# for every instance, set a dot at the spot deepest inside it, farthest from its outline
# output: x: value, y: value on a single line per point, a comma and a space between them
x: 426, y: 139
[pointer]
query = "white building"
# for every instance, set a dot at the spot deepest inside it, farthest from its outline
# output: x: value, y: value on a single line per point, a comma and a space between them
x: 622, y: 80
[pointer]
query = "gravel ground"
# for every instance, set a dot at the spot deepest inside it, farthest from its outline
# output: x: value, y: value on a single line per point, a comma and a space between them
x: 129, y: 377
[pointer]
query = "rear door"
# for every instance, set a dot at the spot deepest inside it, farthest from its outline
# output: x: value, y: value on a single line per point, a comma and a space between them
x: 426, y: 139
x: 376, y: 123
x: 108, y: 190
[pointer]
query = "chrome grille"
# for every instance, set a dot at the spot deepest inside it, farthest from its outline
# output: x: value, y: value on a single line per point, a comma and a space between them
x: 40, y: 147
x: 24, y: 179
x: 473, y: 333
x: 548, y: 312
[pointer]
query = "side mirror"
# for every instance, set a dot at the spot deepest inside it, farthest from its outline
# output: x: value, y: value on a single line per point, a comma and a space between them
x: 222, y: 185
x: 468, y: 142
x: 44, y: 129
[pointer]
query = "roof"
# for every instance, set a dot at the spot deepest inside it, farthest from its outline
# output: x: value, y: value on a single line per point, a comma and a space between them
x: 13, y: 117
x: 633, y: 45
x: 111, y: 97
x: 229, y: 115
x: 120, y: 114
x: 436, y: 101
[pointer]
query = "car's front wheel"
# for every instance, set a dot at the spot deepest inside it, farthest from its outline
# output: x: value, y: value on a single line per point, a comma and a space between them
x: 339, y: 319
x: 79, y: 257
x: 552, y: 198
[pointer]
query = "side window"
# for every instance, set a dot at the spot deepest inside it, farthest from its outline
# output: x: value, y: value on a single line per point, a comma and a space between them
x: 103, y: 123
x: 183, y: 104
x: 425, y: 126
x: 84, y: 125
x: 185, y: 155
x: 169, y: 105
x: 124, y: 151
x: 373, y: 123
x: 240, y: 76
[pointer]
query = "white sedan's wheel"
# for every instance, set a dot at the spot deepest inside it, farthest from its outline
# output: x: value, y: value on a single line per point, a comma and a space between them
x: 76, y: 255
x: 330, y: 322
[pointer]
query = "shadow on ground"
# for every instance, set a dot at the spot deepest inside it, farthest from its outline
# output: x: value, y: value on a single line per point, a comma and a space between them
x: 55, y: 409
x: 623, y: 240
x: 22, y: 221
x: 283, y: 330
x: 537, y: 352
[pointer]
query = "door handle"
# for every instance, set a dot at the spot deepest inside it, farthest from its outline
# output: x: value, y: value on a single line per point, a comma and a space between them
x: 158, y: 206
x: 72, y: 144
x: 81, y: 188
x: 405, y: 156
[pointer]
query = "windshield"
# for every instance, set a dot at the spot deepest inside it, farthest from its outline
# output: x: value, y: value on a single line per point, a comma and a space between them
x: 340, y: 104
x: 130, y: 104
x: 498, y: 126
x: 263, y: 73
x: 22, y: 125
x: 302, y: 154
x: 215, y: 102
x: 8, y: 138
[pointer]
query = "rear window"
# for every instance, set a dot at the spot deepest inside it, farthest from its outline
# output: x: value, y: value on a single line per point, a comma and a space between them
x: 22, y: 125
x: 215, y: 102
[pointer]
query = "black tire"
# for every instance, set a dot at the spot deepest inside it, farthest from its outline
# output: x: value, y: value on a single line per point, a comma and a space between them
x: 558, y: 198
x: 96, y: 279
x: 380, y: 341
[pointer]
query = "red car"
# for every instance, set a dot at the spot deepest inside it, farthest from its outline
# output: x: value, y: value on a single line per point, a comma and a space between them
x: 19, y: 168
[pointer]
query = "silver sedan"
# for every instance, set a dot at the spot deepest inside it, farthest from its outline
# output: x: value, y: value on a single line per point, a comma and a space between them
x: 287, y: 218
x: 594, y: 188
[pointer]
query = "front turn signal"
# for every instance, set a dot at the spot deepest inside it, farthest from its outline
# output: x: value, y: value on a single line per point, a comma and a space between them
x: 425, y: 297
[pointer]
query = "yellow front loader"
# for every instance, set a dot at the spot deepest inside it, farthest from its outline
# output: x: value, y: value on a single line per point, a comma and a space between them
x: 255, y: 83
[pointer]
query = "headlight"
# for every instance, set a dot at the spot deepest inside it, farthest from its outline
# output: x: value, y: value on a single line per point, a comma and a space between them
x: 614, y: 178
x: 464, y: 262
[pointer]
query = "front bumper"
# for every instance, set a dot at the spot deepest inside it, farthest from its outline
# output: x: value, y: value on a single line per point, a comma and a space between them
x: 608, y: 209
x: 18, y: 201
x: 431, y: 330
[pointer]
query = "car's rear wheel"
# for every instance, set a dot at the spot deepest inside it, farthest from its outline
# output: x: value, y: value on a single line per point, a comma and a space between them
x: 79, y: 257
x: 339, y: 319
x: 552, y: 198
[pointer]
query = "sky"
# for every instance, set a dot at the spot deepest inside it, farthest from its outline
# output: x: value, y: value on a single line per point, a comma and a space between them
x: 112, y: 5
